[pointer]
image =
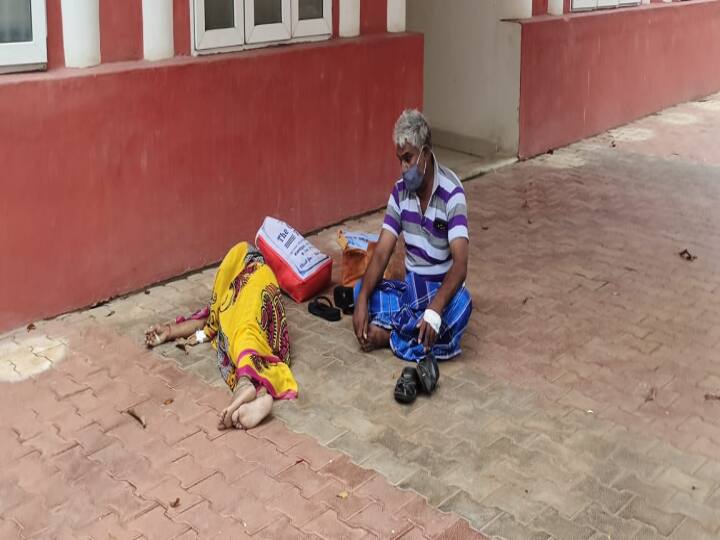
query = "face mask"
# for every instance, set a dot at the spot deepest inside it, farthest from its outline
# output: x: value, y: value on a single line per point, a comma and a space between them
x: 413, y: 178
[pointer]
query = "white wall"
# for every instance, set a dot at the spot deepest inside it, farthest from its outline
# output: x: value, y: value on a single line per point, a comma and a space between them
x: 472, y: 70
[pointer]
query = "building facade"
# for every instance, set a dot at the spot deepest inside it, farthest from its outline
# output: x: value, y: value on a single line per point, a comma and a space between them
x: 158, y: 133
x: 521, y: 77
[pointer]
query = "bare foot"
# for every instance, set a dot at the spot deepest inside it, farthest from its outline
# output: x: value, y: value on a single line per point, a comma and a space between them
x: 244, y: 393
x: 251, y: 414
x: 157, y: 334
x: 377, y: 338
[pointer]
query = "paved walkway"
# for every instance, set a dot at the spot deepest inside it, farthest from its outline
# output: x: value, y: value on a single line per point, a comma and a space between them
x: 584, y: 406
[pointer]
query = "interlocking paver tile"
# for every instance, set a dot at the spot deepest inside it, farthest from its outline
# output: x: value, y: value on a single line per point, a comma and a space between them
x: 615, y: 527
x: 310, y: 452
x: 692, y: 529
x: 639, y: 510
x: 299, y: 509
x: 347, y: 472
x: 504, y: 526
x: 327, y: 525
x: 155, y: 524
x: 336, y: 496
x: 383, y: 524
x: 430, y: 520
x: 209, y: 524
x: 107, y: 526
x: 172, y: 497
x: 188, y: 471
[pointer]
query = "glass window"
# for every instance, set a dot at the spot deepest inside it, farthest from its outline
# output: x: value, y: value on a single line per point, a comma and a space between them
x: 15, y: 21
x: 23, y: 35
x: 268, y: 12
x: 310, y: 9
x: 219, y: 14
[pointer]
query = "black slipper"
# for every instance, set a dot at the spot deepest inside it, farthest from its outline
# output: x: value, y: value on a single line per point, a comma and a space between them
x: 327, y: 312
x: 344, y: 298
x: 428, y: 373
x: 406, y: 386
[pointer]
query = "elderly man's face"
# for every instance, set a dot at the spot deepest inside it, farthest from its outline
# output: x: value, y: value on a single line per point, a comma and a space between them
x: 410, y: 155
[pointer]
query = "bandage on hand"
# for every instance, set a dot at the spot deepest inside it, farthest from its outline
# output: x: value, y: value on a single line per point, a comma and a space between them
x: 433, y: 319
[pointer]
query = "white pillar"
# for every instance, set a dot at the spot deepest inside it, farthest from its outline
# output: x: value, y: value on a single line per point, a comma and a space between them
x: 158, y: 42
x: 81, y: 32
x: 395, y: 15
x: 349, y: 18
x: 515, y: 9
x: 555, y: 7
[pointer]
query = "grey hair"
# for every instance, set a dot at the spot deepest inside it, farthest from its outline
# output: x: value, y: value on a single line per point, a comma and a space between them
x: 412, y: 128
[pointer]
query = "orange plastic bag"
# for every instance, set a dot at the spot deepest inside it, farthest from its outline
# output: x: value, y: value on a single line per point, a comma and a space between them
x: 357, y: 249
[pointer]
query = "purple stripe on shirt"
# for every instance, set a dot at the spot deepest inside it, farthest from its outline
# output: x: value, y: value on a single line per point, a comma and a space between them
x: 414, y: 217
x: 419, y: 252
x: 411, y: 217
x: 392, y: 222
x: 457, y: 221
x: 445, y: 195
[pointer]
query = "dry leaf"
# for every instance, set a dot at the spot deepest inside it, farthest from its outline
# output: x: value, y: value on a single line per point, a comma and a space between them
x: 137, y: 417
x: 30, y: 327
x: 525, y: 300
x: 651, y: 395
x: 147, y: 291
x: 175, y: 503
x: 110, y: 314
x: 715, y: 397
x: 685, y: 254
x: 168, y: 401
x: 343, y: 495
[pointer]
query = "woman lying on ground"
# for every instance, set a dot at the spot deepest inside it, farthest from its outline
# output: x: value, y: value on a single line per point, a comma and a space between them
x: 247, y: 326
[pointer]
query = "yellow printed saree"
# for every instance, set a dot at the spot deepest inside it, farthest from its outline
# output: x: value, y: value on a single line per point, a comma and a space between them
x: 248, y: 325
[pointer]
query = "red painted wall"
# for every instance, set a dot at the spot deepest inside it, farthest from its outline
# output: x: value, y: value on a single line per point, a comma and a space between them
x: 121, y: 30
x: 181, y: 26
x: 584, y: 73
x: 119, y: 176
x: 56, y: 54
x: 539, y: 7
x: 373, y: 16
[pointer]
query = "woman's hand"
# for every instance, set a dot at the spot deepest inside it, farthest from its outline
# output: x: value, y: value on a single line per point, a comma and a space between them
x: 157, y: 334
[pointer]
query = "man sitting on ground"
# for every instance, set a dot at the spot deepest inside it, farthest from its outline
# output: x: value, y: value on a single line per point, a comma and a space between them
x: 429, y: 311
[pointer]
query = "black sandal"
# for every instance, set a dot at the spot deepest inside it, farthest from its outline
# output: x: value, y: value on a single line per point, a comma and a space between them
x: 406, y: 386
x: 428, y: 373
x: 327, y: 312
x: 344, y: 299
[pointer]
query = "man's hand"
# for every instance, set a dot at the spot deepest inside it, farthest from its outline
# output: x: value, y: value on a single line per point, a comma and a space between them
x: 360, y: 320
x: 426, y: 335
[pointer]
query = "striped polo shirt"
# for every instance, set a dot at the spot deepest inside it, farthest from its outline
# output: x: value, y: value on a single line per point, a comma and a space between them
x: 428, y: 237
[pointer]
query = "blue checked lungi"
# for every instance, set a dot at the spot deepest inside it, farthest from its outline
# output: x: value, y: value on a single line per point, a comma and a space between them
x: 398, y: 306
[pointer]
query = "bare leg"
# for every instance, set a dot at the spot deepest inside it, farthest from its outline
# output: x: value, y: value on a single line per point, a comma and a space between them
x: 244, y: 393
x: 377, y: 338
x: 251, y: 414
